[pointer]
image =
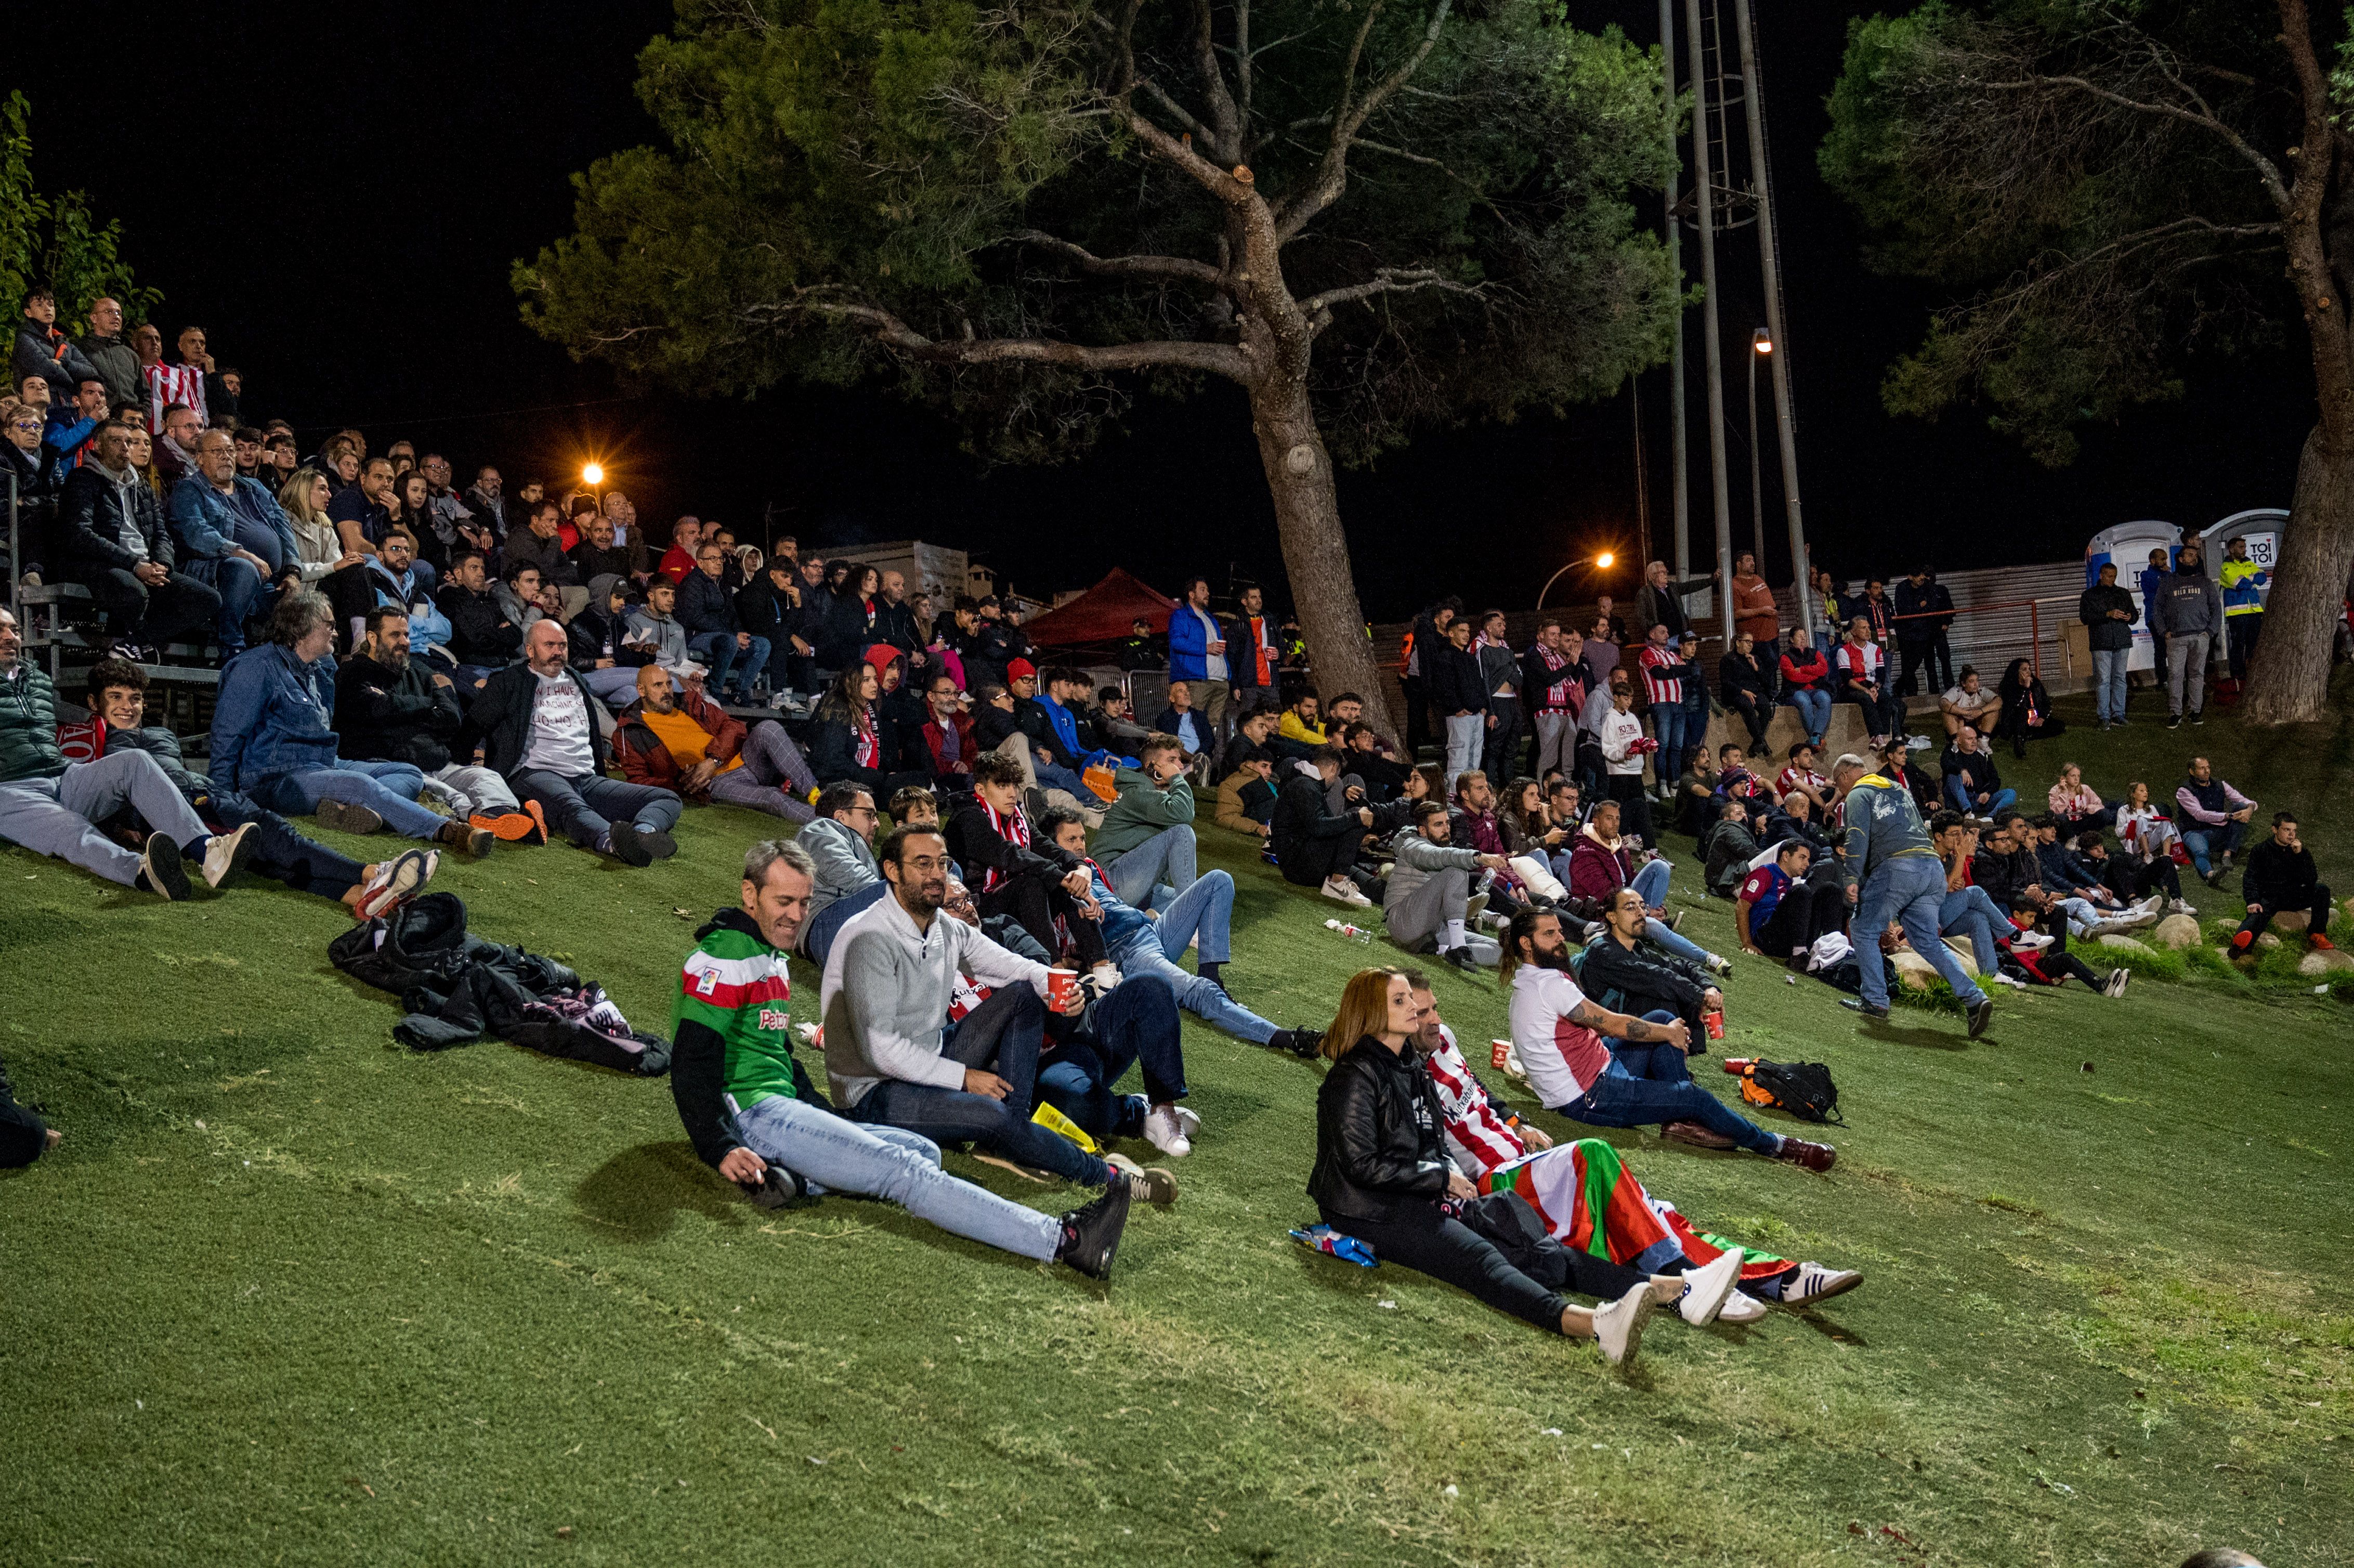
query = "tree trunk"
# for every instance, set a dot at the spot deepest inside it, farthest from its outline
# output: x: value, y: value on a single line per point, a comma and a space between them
x: 2288, y: 681
x: 1315, y: 550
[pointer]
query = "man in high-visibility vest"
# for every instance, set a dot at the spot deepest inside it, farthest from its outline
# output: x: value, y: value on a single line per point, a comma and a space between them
x: 2243, y: 609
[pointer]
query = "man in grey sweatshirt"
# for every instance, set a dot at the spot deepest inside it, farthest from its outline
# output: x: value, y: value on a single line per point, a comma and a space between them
x: 891, y: 982
x: 1893, y: 874
x: 2188, y: 615
x: 1429, y: 889
x: 845, y: 882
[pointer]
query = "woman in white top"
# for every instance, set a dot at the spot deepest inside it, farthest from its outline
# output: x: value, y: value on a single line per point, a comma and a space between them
x: 318, y: 544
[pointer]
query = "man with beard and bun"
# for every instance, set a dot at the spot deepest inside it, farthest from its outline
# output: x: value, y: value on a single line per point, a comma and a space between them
x: 1605, y: 1069
x: 754, y: 1116
x: 890, y: 984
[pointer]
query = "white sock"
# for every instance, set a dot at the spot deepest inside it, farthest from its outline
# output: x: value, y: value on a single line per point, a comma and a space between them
x: 1455, y: 937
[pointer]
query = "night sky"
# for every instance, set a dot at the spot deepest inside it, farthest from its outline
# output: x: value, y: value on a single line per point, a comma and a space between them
x: 337, y: 194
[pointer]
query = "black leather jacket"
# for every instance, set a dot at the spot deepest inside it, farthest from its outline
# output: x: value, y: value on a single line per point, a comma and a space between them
x: 1381, y: 1146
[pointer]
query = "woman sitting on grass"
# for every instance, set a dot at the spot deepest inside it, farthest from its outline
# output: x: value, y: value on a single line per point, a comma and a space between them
x: 2076, y: 803
x: 2026, y: 708
x: 1382, y: 1172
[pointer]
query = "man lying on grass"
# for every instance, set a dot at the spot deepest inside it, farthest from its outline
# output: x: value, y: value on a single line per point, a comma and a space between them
x: 1592, y: 1205
x: 754, y: 1116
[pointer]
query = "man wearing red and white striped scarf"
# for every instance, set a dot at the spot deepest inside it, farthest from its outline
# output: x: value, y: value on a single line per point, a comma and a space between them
x: 1042, y: 885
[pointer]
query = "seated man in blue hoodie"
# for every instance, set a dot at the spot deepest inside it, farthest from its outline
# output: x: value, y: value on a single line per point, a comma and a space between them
x: 1056, y: 755
x: 841, y: 846
x: 271, y: 739
x: 1141, y: 944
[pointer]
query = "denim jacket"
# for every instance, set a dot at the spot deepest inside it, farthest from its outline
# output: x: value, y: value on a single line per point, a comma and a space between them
x: 271, y: 718
x: 205, y: 526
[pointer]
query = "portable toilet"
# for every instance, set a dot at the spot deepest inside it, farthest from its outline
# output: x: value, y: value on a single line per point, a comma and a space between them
x: 2261, y: 527
x: 2127, y: 546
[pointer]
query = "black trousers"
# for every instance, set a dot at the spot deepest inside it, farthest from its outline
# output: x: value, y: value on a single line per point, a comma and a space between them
x: 1417, y: 716
x: 1499, y: 754
x: 1033, y: 901
x: 1311, y: 861
x: 1633, y: 806
x: 1753, y: 714
x: 2130, y: 878
x: 1910, y: 657
x: 153, y: 616
x: 23, y: 1135
x: 1806, y: 912
x: 2316, y: 904
x: 1423, y: 1239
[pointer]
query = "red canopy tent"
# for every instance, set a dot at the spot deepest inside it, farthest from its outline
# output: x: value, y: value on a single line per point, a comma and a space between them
x: 1105, y: 613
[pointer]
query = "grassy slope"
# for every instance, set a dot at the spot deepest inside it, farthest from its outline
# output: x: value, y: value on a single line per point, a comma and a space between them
x: 291, y: 1293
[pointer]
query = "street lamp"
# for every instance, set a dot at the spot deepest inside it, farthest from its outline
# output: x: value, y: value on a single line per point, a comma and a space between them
x: 593, y: 475
x: 1601, y: 562
x: 1761, y: 345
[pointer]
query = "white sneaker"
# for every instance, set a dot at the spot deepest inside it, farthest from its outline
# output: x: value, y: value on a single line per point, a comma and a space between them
x: 2153, y: 905
x: 1741, y: 1308
x: 395, y: 882
x: 1341, y: 890
x: 1618, y: 1326
x: 1150, y: 1183
x: 1719, y: 964
x: 1187, y: 1122
x: 1163, y: 1131
x: 1706, y: 1289
x: 2117, y: 978
x: 1100, y: 981
x: 224, y: 853
x: 2179, y: 907
x: 2014, y: 982
x: 2031, y: 941
x: 1816, y: 1283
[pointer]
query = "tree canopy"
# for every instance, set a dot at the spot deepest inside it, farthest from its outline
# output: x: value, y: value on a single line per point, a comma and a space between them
x: 2106, y: 188
x: 54, y: 242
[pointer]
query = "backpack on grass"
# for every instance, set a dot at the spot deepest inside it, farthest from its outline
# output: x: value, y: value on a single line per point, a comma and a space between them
x: 1803, y: 1088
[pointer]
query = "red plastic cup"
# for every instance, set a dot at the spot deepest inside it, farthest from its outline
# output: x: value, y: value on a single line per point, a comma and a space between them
x: 1062, y: 987
x: 1716, y: 1022
x: 1500, y: 1052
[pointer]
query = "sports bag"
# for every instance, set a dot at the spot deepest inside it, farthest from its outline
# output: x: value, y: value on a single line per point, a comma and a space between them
x: 1804, y: 1089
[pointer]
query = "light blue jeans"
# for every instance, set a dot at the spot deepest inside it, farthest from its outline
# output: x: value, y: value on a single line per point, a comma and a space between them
x: 1909, y: 890
x: 1205, y: 909
x: 871, y: 1160
x: 1814, y: 711
x: 1157, y: 870
x: 2109, y: 682
x: 388, y: 789
x: 1968, y: 911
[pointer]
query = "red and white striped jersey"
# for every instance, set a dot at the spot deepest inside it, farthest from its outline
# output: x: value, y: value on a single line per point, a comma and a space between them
x: 170, y: 384
x: 1663, y: 692
x: 1478, y: 1136
x: 1563, y: 1057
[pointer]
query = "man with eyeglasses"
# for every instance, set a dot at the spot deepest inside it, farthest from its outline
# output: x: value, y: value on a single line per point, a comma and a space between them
x: 840, y: 845
x: 111, y: 539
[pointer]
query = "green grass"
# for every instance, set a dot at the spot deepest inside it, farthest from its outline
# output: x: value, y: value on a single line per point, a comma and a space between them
x: 290, y: 1293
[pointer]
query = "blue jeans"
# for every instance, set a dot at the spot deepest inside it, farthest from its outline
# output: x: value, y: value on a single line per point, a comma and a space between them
x: 1054, y: 776
x: 2109, y: 682
x: 719, y: 647
x: 1909, y: 890
x: 1161, y: 864
x: 1970, y: 912
x: 818, y: 940
x: 1001, y: 1126
x: 1205, y: 909
x: 1079, y: 1076
x: 1957, y: 796
x: 388, y: 789
x: 582, y: 809
x: 1651, y: 880
x: 2201, y: 842
x: 1814, y: 711
x: 241, y: 590
x: 1648, y: 1085
x: 1667, y: 724
x: 835, y: 1155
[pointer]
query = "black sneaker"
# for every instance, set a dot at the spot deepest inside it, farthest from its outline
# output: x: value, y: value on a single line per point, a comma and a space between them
x: 1857, y: 1004
x: 343, y: 816
x: 1462, y: 959
x: 1980, y: 1016
x: 2198, y: 717
x: 779, y: 1188
x: 2174, y: 721
x: 626, y: 844
x: 659, y: 845
x: 1302, y: 1042
x: 160, y: 868
x: 1091, y: 1234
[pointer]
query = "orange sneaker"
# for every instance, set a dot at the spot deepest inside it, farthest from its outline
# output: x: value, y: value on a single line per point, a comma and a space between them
x: 2321, y: 943
x: 507, y: 827
x: 538, y: 819
x: 2240, y: 941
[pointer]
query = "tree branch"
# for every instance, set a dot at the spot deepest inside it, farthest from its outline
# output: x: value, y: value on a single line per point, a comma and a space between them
x: 1226, y: 141
x: 1119, y: 265
x: 1348, y: 116
x: 1388, y: 281
x: 2266, y: 170
x: 1219, y: 182
x: 889, y: 332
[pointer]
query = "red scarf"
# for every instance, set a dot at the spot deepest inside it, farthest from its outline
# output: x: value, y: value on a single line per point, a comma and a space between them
x: 867, y: 748
x: 1014, y: 829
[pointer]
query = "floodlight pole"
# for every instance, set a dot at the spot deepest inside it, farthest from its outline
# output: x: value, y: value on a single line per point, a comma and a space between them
x: 1770, y: 259
x: 1704, y: 180
x: 1679, y: 455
